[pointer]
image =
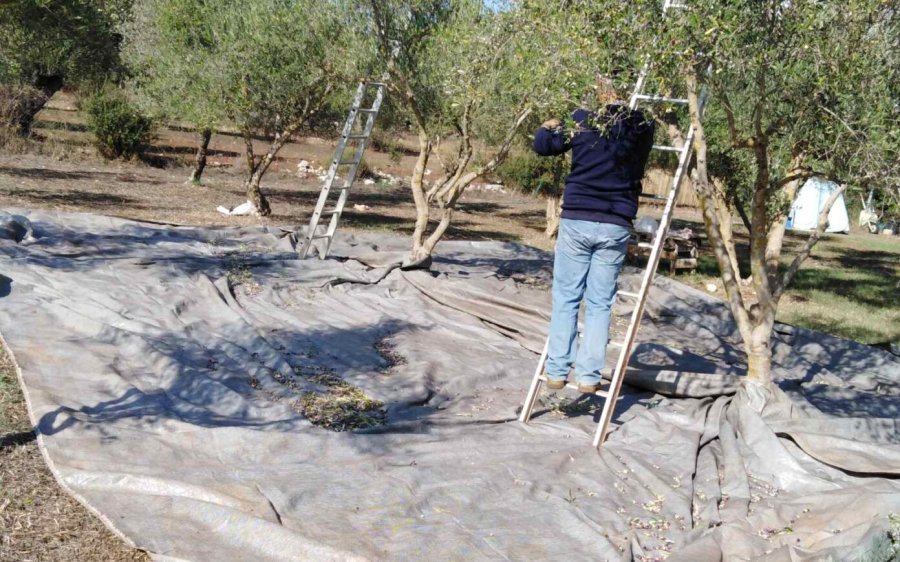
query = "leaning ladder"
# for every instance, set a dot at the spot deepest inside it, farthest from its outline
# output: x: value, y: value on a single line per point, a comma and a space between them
x: 626, y: 346
x: 349, y: 135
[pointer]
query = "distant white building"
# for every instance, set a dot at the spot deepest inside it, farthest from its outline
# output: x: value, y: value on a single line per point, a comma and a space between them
x: 809, y: 203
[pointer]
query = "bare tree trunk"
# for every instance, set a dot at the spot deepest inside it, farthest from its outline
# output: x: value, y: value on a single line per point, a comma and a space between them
x: 449, y: 189
x: 200, y: 156
x: 258, y: 168
x: 755, y: 334
x: 251, y: 184
x: 759, y: 356
x: 427, y: 247
x: 419, y: 256
x: 727, y: 229
x: 553, y: 212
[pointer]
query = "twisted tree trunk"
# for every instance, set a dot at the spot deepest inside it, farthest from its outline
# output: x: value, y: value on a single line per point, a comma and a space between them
x: 200, y: 156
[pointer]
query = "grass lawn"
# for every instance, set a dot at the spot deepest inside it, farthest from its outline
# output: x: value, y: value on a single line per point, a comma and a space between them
x: 849, y: 287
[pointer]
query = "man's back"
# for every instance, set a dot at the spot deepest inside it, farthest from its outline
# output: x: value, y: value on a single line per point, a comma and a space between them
x: 609, y: 156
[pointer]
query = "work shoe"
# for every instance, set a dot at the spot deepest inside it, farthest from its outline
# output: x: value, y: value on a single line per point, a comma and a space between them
x: 588, y: 388
x: 556, y: 384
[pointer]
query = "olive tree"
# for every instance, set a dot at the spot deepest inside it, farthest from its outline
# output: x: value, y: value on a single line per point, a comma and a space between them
x: 45, y: 44
x: 796, y: 89
x: 471, y: 77
x: 170, y: 49
x: 264, y: 68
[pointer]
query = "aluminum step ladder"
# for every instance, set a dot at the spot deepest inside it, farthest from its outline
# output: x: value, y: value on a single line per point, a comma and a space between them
x: 626, y: 347
x: 354, y: 138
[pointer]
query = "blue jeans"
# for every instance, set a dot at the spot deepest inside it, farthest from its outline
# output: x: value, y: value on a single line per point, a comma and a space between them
x: 589, y: 256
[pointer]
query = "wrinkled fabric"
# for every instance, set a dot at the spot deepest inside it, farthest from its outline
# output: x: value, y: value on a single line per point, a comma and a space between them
x: 162, y: 368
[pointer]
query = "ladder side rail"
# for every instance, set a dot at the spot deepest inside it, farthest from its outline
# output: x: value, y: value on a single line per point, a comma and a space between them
x: 645, y: 70
x: 332, y: 171
x: 535, y: 387
x: 646, y: 282
x: 639, y: 86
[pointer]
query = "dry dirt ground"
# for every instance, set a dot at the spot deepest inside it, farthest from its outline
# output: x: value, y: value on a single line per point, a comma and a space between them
x: 138, y: 191
x: 38, y: 520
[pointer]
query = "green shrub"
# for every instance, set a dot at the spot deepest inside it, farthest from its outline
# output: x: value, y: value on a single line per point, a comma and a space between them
x: 364, y: 170
x: 119, y: 129
x: 384, y: 141
x: 529, y: 173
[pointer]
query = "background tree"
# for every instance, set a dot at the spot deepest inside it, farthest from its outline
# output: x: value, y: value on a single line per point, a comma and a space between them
x: 265, y: 68
x: 171, y: 49
x: 797, y: 89
x: 45, y: 44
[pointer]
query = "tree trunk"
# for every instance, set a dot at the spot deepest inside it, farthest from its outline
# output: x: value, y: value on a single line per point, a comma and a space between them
x: 553, y: 212
x: 419, y: 256
x: 200, y: 156
x: 427, y: 248
x: 31, y: 100
x: 255, y: 195
x: 726, y: 228
x: 257, y: 167
x: 759, y: 353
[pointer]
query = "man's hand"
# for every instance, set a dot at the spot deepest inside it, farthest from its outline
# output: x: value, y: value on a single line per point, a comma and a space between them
x: 551, y: 124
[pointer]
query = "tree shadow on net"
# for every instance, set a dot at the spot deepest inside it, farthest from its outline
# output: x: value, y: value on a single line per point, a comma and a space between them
x: 241, y: 379
x: 185, y: 250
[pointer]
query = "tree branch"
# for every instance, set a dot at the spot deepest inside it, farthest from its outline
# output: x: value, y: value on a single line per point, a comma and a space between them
x: 736, y: 140
x: 730, y: 278
x: 776, y: 229
x: 805, y: 251
x: 500, y: 156
x: 463, y: 155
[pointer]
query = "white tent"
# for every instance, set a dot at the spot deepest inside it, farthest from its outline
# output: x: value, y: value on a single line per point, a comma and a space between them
x: 809, y: 203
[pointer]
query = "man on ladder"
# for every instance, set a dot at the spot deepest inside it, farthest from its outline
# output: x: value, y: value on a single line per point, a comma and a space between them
x: 610, y: 149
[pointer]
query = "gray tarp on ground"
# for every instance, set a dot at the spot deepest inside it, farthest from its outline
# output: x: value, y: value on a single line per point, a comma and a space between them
x: 137, y: 358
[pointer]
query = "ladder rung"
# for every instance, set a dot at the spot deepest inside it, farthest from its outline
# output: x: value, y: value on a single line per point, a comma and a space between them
x: 367, y: 110
x: 654, y: 197
x: 667, y: 148
x: 357, y: 137
x: 574, y: 386
x: 348, y: 162
x: 329, y: 212
x: 662, y: 99
x: 616, y: 343
x: 627, y: 294
x: 377, y: 84
x: 317, y: 236
x: 646, y: 245
x: 602, y: 393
